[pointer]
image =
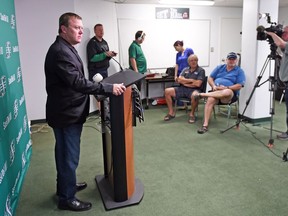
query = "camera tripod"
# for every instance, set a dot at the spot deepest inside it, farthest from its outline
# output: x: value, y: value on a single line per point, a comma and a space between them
x: 272, y: 88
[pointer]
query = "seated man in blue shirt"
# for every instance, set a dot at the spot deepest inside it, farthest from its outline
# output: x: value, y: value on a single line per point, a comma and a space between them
x: 226, y: 81
x: 190, y: 80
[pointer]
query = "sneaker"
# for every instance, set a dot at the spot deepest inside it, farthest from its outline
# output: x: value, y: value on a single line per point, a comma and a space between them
x: 282, y: 136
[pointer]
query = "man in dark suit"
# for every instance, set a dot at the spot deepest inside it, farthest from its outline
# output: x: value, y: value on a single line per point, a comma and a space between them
x: 67, y: 106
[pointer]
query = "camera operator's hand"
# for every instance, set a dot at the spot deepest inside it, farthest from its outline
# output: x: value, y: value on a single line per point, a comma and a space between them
x: 277, y: 40
x: 269, y: 33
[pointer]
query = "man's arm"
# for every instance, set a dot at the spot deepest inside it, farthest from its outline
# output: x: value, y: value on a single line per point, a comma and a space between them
x: 176, y: 71
x: 211, y: 83
x: 277, y: 40
x: 98, y: 57
x: 234, y: 87
x: 192, y: 83
x: 94, y: 55
x: 134, y: 64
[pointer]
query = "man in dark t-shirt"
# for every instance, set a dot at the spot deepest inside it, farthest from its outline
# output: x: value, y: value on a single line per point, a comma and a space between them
x: 190, y: 80
x: 98, y: 54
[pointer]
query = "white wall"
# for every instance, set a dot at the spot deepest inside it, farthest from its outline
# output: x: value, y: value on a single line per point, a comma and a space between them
x: 283, y: 16
x: 37, y: 25
x: 215, y: 14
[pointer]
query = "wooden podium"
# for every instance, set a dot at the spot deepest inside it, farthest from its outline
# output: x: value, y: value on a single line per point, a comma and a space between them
x: 118, y: 186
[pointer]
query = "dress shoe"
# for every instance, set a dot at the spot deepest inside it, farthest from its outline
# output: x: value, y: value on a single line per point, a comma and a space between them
x: 81, y: 186
x: 74, y: 205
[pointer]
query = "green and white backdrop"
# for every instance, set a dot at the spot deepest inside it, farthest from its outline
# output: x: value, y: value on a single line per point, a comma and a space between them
x: 15, y: 141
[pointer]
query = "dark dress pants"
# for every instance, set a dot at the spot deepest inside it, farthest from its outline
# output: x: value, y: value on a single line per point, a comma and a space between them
x: 67, y: 153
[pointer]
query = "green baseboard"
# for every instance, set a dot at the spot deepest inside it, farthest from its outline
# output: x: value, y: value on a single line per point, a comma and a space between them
x: 254, y: 121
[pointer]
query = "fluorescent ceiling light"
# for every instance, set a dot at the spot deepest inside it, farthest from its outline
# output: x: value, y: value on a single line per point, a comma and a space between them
x: 187, y: 2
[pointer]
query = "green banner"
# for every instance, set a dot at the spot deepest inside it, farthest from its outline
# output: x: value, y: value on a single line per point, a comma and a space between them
x: 15, y: 141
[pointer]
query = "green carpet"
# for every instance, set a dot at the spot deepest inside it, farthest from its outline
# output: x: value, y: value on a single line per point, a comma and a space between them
x: 183, y: 173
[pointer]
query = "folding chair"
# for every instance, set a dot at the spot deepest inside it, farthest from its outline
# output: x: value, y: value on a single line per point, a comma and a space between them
x: 226, y: 109
x: 282, y: 96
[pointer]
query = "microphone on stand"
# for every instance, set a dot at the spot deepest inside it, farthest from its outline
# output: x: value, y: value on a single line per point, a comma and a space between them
x: 112, y: 58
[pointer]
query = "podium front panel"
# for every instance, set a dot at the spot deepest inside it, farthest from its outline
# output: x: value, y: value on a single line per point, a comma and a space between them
x: 118, y: 186
x: 129, y: 141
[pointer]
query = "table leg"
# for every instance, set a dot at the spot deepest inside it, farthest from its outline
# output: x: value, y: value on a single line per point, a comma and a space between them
x: 147, y: 95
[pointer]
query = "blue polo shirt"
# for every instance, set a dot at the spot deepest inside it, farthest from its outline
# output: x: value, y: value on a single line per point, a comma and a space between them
x: 223, y: 77
x: 181, y: 60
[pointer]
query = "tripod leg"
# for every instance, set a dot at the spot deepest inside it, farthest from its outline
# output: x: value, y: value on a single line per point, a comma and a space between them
x: 272, y: 89
x: 271, y: 143
x: 284, y: 158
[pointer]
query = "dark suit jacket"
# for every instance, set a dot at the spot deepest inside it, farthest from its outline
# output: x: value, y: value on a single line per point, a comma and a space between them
x: 67, y: 88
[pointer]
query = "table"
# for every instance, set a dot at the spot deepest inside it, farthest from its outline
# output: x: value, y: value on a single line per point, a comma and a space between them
x: 156, y: 79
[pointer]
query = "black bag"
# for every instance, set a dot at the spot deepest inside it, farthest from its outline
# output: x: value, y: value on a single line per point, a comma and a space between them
x: 170, y: 71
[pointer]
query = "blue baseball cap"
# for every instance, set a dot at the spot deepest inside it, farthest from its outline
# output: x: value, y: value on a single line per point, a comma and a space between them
x: 232, y: 55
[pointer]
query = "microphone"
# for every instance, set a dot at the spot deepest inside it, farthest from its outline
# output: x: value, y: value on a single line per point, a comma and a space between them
x: 260, y: 28
x: 97, y: 78
x: 112, y: 58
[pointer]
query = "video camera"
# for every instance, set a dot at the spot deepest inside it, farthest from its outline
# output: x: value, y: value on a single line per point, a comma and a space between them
x: 274, y: 27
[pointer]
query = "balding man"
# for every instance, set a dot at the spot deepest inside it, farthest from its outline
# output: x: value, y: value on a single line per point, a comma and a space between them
x: 190, y: 80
